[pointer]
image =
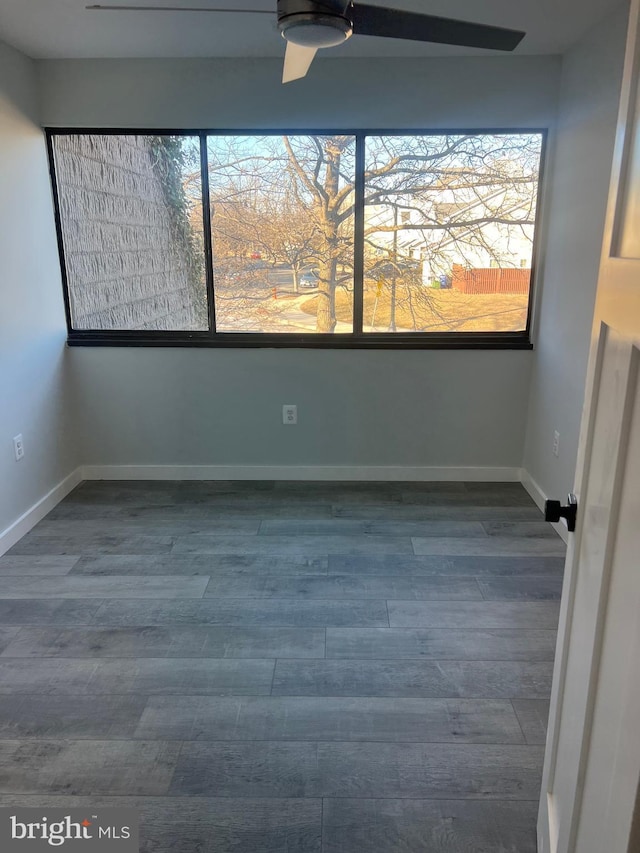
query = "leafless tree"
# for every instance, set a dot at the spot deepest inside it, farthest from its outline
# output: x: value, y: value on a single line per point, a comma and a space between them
x: 294, y: 198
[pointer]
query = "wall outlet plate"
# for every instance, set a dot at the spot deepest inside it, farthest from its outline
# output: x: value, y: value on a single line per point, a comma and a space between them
x: 290, y: 414
x: 18, y: 447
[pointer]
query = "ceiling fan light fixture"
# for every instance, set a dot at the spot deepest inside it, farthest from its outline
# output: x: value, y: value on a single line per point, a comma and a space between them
x: 315, y: 30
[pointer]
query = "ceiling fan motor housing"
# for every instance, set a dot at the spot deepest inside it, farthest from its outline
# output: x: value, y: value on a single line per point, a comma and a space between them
x: 315, y: 23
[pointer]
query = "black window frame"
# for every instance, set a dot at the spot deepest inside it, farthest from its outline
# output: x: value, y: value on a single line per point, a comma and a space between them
x: 357, y: 339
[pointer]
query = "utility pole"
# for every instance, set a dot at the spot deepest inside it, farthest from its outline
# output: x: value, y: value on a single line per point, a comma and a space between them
x: 394, y: 271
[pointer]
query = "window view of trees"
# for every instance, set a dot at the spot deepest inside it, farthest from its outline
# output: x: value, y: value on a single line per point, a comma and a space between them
x: 444, y: 237
x: 449, y: 227
x: 282, y: 227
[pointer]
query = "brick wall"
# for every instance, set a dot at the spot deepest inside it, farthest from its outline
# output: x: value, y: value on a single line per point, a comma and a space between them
x: 127, y: 266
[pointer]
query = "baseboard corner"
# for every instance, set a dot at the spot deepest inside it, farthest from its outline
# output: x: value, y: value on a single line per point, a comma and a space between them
x: 37, y: 512
x: 539, y: 497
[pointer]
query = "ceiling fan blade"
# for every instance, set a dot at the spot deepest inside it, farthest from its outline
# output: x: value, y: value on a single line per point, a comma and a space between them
x: 394, y: 23
x: 297, y: 61
x: 100, y: 7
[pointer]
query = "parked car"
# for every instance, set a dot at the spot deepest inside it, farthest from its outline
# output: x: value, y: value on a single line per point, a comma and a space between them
x: 308, y: 279
x: 385, y: 268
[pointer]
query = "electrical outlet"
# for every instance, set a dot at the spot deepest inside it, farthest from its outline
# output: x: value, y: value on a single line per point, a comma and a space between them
x: 290, y: 414
x: 556, y: 443
x: 18, y: 447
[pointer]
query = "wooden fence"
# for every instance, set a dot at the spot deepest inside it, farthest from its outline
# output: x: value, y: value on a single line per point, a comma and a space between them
x: 476, y: 280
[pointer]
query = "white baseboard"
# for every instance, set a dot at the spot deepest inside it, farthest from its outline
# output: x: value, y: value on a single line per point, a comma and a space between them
x: 540, y: 497
x: 37, y: 512
x: 300, y: 472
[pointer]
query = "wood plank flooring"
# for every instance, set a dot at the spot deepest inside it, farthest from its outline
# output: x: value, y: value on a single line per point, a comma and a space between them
x: 265, y: 667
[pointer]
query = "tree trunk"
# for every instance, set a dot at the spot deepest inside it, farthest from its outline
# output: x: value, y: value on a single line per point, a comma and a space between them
x: 326, y: 311
x: 326, y: 315
x: 296, y: 279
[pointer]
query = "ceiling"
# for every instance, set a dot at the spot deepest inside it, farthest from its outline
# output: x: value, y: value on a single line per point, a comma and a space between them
x: 65, y: 29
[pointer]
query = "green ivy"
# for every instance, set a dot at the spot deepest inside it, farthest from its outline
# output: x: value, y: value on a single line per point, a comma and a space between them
x: 169, y: 160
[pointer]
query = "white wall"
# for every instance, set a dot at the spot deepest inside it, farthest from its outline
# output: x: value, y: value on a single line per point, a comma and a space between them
x: 187, y: 406
x: 34, y: 398
x: 224, y: 407
x: 350, y: 93
x: 591, y: 75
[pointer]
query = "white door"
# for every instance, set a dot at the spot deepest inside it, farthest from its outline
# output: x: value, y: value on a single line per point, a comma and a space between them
x: 590, y: 800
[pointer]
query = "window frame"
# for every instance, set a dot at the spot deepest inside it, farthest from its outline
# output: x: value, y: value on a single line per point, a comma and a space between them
x: 357, y: 339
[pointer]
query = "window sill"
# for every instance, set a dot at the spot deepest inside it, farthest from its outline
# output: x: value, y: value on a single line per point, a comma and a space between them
x: 399, y: 341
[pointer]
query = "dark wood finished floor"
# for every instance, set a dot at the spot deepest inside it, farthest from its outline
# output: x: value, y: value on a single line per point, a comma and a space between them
x: 284, y: 667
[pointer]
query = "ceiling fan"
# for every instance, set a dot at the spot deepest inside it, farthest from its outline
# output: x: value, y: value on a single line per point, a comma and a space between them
x: 308, y: 25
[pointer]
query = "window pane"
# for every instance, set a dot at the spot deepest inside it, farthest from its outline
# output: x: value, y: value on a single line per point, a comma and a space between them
x: 131, y: 216
x: 449, y: 227
x: 282, y: 230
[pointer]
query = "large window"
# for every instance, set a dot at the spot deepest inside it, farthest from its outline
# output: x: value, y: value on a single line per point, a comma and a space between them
x: 330, y: 239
